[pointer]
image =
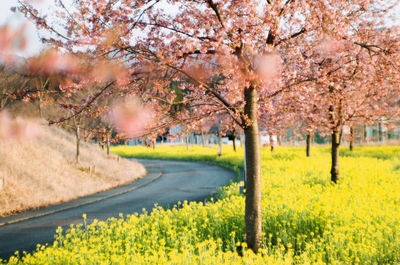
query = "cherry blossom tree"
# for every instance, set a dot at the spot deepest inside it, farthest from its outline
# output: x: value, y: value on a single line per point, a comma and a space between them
x: 235, y: 55
x: 355, y: 81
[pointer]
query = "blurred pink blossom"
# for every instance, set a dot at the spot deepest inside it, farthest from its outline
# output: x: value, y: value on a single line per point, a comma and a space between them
x: 5, y: 124
x: 199, y: 72
x: 54, y: 62
x: 329, y: 47
x: 20, y: 129
x: 130, y: 117
x: 11, y: 41
x: 25, y: 130
x: 268, y: 66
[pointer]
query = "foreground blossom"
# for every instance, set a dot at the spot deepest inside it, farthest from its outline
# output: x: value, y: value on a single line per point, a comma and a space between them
x: 19, y: 128
x: 130, y: 117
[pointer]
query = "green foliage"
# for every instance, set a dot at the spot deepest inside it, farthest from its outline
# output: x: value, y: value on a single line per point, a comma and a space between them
x: 306, y: 219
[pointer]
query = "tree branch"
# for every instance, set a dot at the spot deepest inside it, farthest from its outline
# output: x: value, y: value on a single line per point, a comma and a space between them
x: 179, y: 31
x: 283, y: 7
x: 232, y: 110
x: 86, y: 106
x: 303, y: 30
x: 214, y: 7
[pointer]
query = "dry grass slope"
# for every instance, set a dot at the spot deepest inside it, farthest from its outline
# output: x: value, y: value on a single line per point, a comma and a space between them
x: 42, y: 172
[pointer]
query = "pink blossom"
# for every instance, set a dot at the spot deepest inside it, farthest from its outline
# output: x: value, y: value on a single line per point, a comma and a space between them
x: 268, y: 66
x: 20, y: 129
x: 130, y: 117
x: 53, y: 62
x: 11, y: 41
x: 5, y: 124
x: 25, y: 130
x: 329, y: 47
x: 199, y: 72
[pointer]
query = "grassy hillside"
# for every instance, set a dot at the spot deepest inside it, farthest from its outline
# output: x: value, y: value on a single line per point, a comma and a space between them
x: 306, y: 219
x: 43, y: 171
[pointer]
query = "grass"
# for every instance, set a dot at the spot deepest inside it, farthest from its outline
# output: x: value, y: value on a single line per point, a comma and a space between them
x: 43, y: 171
x: 306, y: 219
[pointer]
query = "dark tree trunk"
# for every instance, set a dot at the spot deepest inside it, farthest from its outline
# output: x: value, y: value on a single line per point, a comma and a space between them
x: 308, y: 143
x: 78, y: 143
x: 351, y: 144
x: 272, y: 143
x: 108, y: 143
x: 219, y: 143
x: 365, y: 133
x: 380, y: 132
x: 335, y: 156
x: 253, y: 172
x: 187, y: 141
x: 40, y: 106
x: 234, y: 134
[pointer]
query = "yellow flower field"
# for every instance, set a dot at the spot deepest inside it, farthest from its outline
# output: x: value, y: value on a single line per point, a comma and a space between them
x: 306, y: 219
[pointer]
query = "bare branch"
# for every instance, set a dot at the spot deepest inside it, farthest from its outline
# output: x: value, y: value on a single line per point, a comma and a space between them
x: 283, y: 8
x: 303, y: 30
x: 86, y: 106
x: 42, y: 20
x: 232, y: 110
x: 179, y: 31
x: 141, y: 15
x: 214, y: 7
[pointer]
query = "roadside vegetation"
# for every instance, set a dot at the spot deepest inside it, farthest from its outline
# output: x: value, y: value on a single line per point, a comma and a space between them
x: 43, y: 171
x: 306, y: 218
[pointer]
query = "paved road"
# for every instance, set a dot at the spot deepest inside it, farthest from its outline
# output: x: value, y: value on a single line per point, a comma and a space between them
x: 178, y: 181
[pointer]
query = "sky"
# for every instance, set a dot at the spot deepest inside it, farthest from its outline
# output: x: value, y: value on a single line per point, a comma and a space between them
x: 34, y: 45
x: 15, y: 19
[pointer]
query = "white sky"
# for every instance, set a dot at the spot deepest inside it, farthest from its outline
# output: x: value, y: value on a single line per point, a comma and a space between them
x: 34, y: 45
x: 15, y: 19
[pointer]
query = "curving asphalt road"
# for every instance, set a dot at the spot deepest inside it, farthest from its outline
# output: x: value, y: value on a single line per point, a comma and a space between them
x: 167, y: 183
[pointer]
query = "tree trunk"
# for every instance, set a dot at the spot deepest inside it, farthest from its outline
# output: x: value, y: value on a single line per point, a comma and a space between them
x: 108, y: 143
x: 219, y: 144
x: 234, y: 134
x: 40, y: 106
x: 335, y: 156
x: 253, y: 172
x: 365, y: 133
x: 380, y: 138
x: 351, y: 144
x: 187, y: 141
x: 78, y: 142
x: 308, y: 142
x: 203, y: 141
x: 87, y: 137
x: 271, y: 141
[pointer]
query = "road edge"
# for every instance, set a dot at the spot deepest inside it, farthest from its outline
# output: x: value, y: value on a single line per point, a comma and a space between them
x: 151, y: 176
